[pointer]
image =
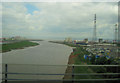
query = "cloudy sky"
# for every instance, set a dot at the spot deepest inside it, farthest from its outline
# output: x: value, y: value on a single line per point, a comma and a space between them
x: 57, y: 20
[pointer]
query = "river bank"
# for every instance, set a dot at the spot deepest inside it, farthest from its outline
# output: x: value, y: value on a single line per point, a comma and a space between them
x: 16, y: 45
x: 69, y: 68
x: 77, y: 58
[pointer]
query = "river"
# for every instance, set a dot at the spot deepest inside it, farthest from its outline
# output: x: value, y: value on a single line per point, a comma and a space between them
x: 32, y: 59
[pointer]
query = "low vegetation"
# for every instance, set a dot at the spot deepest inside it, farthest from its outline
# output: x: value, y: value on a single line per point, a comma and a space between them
x: 118, y: 45
x: 79, y: 59
x: 17, y: 45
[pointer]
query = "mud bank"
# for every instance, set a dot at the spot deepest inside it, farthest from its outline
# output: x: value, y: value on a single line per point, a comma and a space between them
x: 71, y: 61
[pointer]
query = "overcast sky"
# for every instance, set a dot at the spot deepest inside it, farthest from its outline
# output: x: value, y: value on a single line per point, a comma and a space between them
x: 59, y: 20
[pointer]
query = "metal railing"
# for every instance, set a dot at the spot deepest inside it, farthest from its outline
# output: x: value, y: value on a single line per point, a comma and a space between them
x: 73, y: 74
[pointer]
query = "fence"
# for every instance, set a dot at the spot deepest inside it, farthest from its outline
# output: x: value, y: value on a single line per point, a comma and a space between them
x: 73, y: 74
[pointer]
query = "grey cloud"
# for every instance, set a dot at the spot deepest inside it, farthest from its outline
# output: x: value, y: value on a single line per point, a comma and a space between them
x: 71, y: 19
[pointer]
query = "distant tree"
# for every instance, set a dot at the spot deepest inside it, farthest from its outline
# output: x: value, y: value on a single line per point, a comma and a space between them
x: 118, y: 44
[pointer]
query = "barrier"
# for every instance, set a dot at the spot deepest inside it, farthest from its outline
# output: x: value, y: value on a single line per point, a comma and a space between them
x: 73, y: 74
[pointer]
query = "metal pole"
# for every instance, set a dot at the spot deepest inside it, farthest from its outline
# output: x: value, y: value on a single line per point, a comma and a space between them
x: 72, y: 74
x: 116, y: 34
x: 94, y: 31
x: 6, y: 70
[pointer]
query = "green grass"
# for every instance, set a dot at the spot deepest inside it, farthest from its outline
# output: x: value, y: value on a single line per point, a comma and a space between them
x: 17, y: 45
x: 79, y: 60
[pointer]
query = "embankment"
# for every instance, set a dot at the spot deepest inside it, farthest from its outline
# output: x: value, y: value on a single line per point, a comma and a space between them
x: 71, y: 61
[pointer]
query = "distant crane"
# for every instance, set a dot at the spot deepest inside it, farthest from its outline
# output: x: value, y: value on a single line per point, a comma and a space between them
x: 94, y: 31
